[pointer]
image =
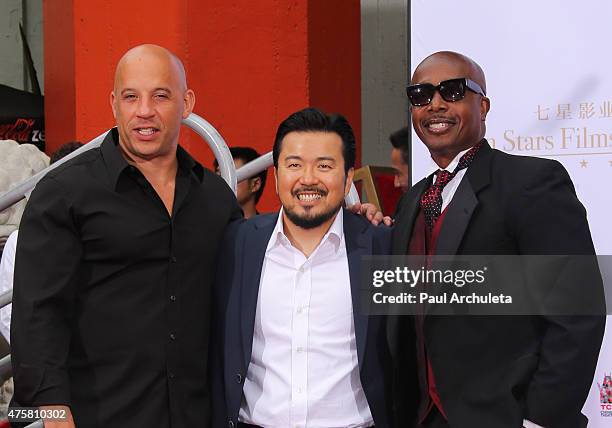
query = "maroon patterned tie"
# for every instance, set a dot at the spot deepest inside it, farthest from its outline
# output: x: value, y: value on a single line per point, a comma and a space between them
x: 431, y: 201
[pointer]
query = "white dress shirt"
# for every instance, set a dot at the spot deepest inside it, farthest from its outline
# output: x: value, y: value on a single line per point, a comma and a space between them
x: 304, y: 370
x: 7, y: 270
x: 447, y: 196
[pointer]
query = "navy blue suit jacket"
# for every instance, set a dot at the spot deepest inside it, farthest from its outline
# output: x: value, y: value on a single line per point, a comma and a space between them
x: 237, y: 287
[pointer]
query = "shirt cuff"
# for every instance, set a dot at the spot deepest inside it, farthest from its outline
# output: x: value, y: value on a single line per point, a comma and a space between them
x: 36, y: 386
x: 529, y: 424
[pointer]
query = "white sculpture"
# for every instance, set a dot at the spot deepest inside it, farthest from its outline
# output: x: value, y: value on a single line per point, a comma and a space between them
x: 17, y: 163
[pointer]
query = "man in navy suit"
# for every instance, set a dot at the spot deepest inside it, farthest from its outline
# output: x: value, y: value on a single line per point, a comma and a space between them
x: 294, y: 348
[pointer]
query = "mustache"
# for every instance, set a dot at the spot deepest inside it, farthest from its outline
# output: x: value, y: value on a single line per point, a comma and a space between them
x: 439, y: 117
x: 310, y: 189
x: 144, y: 125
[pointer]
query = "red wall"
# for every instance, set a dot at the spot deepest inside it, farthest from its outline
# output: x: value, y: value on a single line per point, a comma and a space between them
x: 59, y: 73
x: 334, y: 52
x: 250, y: 63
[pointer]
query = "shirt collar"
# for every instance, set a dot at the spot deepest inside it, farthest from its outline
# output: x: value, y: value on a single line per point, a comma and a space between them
x: 433, y: 166
x: 116, y: 163
x: 335, y: 234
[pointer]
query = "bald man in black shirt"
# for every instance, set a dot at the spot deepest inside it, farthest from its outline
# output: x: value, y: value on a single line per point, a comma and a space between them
x: 116, y: 255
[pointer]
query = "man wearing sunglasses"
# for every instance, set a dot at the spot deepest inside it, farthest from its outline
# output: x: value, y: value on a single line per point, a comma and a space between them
x: 494, y: 371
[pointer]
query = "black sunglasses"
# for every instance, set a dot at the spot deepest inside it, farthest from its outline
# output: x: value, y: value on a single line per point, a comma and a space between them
x: 450, y: 90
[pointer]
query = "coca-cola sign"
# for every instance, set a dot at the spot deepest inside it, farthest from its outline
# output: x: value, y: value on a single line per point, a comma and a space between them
x: 24, y: 130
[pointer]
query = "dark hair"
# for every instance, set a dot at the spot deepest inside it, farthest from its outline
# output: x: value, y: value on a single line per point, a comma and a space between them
x: 248, y: 154
x: 399, y: 140
x: 64, y: 150
x: 314, y: 120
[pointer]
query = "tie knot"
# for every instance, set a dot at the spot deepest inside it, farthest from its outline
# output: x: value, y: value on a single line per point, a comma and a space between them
x: 431, y: 200
x: 443, y: 177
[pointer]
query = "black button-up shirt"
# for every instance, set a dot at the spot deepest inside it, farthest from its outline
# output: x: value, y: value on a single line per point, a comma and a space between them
x: 112, y: 294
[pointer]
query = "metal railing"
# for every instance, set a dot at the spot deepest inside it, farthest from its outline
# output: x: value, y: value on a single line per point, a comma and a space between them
x: 6, y: 298
x: 199, y: 125
x: 204, y: 129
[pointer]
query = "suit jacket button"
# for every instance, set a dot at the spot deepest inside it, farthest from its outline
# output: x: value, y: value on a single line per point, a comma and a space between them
x: 230, y: 424
x: 238, y: 378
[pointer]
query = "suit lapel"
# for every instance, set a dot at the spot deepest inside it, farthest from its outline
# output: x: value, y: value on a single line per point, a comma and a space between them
x: 358, y: 244
x: 456, y: 219
x: 253, y: 253
x: 408, y: 209
x: 464, y: 202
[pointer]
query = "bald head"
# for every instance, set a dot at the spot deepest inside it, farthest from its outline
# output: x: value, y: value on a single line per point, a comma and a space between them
x: 448, y: 125
x: 151, y: 54
x: 150, y: 99
x: 469, y: 67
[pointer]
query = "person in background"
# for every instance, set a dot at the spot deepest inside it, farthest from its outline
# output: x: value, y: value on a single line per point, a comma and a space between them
x: 7, y: 269
x: 400, y: 158
x: 249, y: 191
x: 64, y: 150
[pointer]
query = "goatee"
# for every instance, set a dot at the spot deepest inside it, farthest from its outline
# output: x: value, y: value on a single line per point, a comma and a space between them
x: 311, y: 221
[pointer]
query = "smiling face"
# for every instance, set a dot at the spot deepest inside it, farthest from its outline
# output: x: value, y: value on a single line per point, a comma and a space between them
x: 447, y: 128
x: 310, y: 178
x: 149, y: 101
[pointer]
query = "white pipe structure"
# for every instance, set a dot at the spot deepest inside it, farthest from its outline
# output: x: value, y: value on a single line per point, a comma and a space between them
x: 24, y: 188
x: 217, y: 145
x: 353, y: 197
x: 195, y: 122
x: 6, y: 298
x: 263, y: 162
x: 254, y: 167
x: 204, y: 129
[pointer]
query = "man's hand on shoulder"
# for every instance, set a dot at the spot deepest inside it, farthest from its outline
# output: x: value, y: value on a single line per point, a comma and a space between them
x: 370, y: 212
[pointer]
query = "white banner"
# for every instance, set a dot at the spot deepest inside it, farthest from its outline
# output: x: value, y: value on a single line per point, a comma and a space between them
x: 549, y: 77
